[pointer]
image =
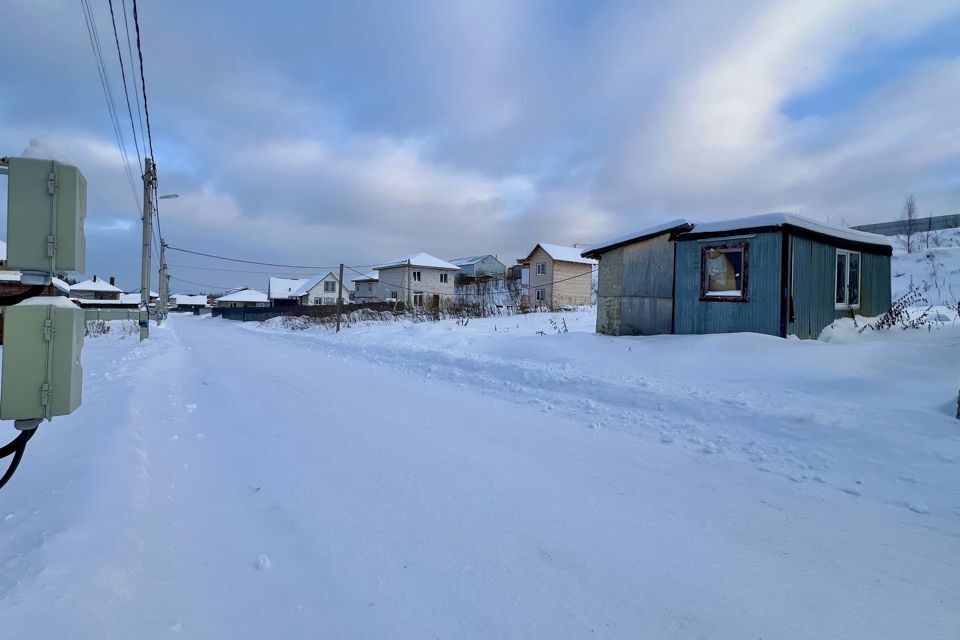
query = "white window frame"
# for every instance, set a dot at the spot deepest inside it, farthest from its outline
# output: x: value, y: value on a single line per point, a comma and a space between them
x: 541, y: 268
x: 329, y: 286
x: 444, y: 278
x: 418, y: 298
x: 316, y: 300
x: 416, y: 276
x: 540, y: 294
x: 845, y: 305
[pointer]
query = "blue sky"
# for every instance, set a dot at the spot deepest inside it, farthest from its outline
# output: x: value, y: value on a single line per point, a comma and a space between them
x: 314, y: 133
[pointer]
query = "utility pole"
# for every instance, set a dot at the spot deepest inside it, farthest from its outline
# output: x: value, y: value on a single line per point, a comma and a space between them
x: 148, y: 183
x: 340, y: 298
x: 163, y: 284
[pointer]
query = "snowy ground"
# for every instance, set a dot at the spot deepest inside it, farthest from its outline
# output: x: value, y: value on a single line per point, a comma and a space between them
x: 438, y: 481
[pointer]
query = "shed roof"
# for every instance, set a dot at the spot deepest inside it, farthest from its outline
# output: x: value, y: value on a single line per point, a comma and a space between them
x: 679, y: 224
x: 768, y: 220
x: 419, y: 260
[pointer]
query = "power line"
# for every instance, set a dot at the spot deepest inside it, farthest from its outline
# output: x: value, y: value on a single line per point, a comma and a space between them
x: 262, y: 264
x: 126, y: 90
x: 199, y: 284
x: 133, y: 71
x: 260, y: 271
x: 143, y: 80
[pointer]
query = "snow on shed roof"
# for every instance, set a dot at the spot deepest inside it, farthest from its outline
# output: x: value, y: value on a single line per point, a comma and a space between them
x: 419, y: 260
x: 372, y: 276
x: 95, y: 285
x: 648, y: 232
x: 562, y: 253
x: 314, y: 281
x: 792, y: 220
x: 284, y: 287
x: 244, y: 295
x: 189, y: 299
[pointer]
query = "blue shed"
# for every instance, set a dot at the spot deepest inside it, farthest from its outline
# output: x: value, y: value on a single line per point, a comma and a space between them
x: 777, y: 273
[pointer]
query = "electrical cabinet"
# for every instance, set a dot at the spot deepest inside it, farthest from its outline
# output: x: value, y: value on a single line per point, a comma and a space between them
x: 42, y: 376
x: 46, y: 208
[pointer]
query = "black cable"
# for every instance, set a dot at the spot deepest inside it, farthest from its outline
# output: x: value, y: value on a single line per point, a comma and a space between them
x: 264, y: 264
x: 16, y: 448
x: 143, y: 80
x: 133, y: 72
x: 126, y: 90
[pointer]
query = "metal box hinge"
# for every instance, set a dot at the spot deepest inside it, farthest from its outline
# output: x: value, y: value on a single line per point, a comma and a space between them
x: 52, y: 183
x: 45, y: 394
x: 48, y: 329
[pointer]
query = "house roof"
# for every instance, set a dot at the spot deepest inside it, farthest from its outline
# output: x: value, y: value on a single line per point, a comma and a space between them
x: 134, y: 296
x: 101, y: 286
x: 314, y: 281
x: 284, y: 287
x: 187, y: 299
x: 419, y: 260
x: 14, y: 276
x: 768, y: 220
x: 561, y: 253
x: 373, y: 276
x: 244, y: 295
x: 679, y: 224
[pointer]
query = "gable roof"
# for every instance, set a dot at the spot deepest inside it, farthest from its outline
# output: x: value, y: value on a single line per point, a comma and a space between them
x: 845, y: 236
x: 314, y: 281
x: 244, y: 295
x: 101, y: 286
x: 560, y: 253
x: 679, y: 224
x: 281, y: 288
x: 419, y: 260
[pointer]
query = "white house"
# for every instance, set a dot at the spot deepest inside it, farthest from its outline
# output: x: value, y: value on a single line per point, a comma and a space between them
x: 366, y: 288
x: 187, y: 302
x: 419, y: 279
x: 96, y: 289
x: 280, y: 290
x: 244, y: 297
x: 321, y: 289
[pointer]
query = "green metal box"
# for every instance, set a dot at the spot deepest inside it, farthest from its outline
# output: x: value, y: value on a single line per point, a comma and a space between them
x: 42, y: 341
x: 46, y: 208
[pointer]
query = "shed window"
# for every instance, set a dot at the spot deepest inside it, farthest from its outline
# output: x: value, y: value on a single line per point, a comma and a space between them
x: 541, y: 268
x: 847, y: 290
x: 723, y: 272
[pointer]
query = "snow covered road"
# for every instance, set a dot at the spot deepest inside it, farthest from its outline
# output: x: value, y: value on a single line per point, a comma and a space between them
x: 226, y: 481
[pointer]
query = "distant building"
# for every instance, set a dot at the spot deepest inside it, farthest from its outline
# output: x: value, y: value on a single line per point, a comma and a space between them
x: 281, y: 290
x: 476, y: 266
x: 187, y: 302
x: 419, y: 280
x: 244, y: 297
x: 559, y: 277
x: 366, y: 288
x: 322, y: 289
x: 96, y: 289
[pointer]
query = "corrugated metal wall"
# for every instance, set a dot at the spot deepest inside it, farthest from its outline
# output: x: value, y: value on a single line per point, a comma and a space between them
x: 761, y: 314
x: 814, y: 283
x: 635, y: 288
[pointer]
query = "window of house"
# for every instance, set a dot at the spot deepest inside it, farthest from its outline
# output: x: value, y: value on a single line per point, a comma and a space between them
x: 444, y: 278
x: 316, y: 301
x: 418, y: 298
x: 723, y: 272
x: 329, y: 286
x: 416, y: 276
x: 541, y: 295
x: 541, y: 268
x: 395, y: 295
x: 847, y: 290
x: 329, y: 301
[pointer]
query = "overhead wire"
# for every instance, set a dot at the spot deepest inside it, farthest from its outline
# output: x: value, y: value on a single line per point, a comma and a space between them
x: 126, y: 90
x: 133, y: 72
x: 143, y: 80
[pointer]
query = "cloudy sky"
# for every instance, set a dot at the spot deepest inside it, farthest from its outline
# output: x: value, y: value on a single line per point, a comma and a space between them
x: 314, y: 133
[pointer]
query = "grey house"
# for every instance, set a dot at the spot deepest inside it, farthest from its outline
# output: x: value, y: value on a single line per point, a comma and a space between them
x: 777, y: 273
x: 476, y: 266
x: 635, y: 286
